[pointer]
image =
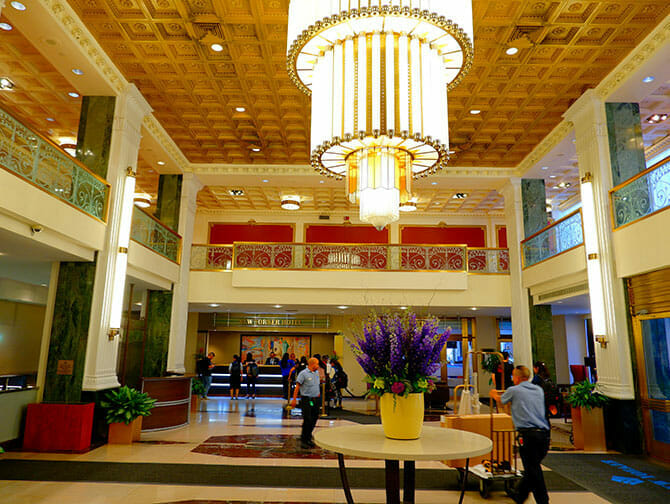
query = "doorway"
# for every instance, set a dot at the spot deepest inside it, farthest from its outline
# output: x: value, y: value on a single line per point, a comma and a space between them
x: 652, y: 345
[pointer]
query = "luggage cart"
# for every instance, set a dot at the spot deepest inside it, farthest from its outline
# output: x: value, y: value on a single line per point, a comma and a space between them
x: 502, y: 466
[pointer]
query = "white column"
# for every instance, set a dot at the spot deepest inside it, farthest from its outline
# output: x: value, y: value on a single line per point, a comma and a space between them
x: 615, y: 371
x: 178, y: 323
x: 523, y: 348
x: 101, y: 351
x: 299, y: 232
x: 394, y: 233
x: 2, y: 4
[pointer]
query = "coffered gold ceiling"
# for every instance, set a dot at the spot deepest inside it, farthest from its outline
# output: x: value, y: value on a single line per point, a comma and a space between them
x: 163, y: 46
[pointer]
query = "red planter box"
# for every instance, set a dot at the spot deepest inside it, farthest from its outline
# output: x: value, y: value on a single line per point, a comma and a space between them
x: 58, y: 427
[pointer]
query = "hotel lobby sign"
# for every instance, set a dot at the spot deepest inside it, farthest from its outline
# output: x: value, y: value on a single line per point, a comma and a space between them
x: 226, y: 320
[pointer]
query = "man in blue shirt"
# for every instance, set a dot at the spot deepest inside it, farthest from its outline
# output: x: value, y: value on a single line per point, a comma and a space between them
x: 308, y: 385
x: 533, y: 433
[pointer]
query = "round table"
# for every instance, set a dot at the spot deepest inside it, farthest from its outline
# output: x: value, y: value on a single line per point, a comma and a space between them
x: 368, y: 441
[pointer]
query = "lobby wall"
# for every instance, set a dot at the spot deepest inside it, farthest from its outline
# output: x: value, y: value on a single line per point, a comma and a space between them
x: 20, y: 336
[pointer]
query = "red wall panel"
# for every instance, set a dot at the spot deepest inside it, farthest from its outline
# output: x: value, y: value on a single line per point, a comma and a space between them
x: 345, y: 234
x: 502, y: 236
x: 472, y: 236
x: 222, y: 234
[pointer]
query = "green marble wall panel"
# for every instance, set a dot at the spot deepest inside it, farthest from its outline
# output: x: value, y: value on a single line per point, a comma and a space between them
x: 134, y: 353
x: 69, y: 332
x: 95, y: 133
x: 534, y: 198
x: 168, y: 200
x: 624, y: 131
x: 542, y: 335
x: 159, y: 312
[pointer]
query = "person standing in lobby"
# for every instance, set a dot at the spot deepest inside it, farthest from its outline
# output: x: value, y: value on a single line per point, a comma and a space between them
x: 308, y: 386
x: 533, y: 430
x: 204, y: 367
x: 285, y: 365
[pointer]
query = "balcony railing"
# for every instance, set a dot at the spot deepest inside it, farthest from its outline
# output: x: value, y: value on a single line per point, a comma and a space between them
x: 153, y: 234
x: 330, y: 256
x: 555, y: 239
x: 641, y: 196
x: 38, y: 161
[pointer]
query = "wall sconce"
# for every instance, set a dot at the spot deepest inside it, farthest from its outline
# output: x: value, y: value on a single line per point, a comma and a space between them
x: 119, y: 281
x: 593, y: 266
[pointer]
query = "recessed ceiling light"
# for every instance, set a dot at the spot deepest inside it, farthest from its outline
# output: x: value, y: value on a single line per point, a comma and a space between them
x: 545, y: 167
x: 138, y: 304
x: 50, y: 119
x: 240, y: 109
x: 552, y: 176
x: 6, y: 84
x: 475, y: 111
x: 402, y: 307
x: 656, y: 118
x: 73, y: 94
x: 511, y: 51
x: 409, y: 206
x: 265, y: 181
x: 290, y: 203
x: 214, y: 305
x: 648, y: 79
x: 321, y: 181
x: 77, y: 71
x: 216, y: 47
x: 474, y: 308
x: 342, y: 307
x: 5, y: 26
x: 43, y: 285
x: 18, y: 5
x: 433, y: 183
x: 160, y: 163
x: 255, y: 149
x: 277, y: 306
x: 236, y: 192
x: 460, y: 195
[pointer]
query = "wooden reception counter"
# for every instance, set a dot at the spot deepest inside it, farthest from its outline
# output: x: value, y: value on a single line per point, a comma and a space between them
x: 173, y: 401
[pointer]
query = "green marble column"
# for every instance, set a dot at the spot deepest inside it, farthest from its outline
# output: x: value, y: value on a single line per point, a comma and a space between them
x: 95, y: 132
x: 624, y: 131
x: 535, y: 217
x: 534, y: 199
x: 74, y: 294
x: 159, y: 312
x: 169, y: 200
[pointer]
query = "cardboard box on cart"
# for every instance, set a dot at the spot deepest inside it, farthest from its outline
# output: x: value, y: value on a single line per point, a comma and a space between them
x: 479, y: 424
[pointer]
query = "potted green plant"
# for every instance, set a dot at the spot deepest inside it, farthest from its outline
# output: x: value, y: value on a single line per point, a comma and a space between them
x: 125, y: 408
x: 588, y: 424
x: 399, y: 354
x: 197, y: 391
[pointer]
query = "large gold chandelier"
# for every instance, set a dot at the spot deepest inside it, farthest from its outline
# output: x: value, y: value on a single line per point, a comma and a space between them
x: 378, y: 72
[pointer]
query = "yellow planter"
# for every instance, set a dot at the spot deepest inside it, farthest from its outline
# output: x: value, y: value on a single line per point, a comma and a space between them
x: 402, y: 417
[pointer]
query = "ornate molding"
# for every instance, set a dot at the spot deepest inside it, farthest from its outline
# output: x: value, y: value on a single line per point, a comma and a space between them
x: 161, y: 136
x: 656, y: 149
x: 655, y: 41
x: 547, y: 144
x: 76, y: 29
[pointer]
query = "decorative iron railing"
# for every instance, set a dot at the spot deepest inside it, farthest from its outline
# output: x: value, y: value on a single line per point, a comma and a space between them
x: 641, y: 196
x: 153, y: 234
x: 37, y: 160
x: 364, y: 257
x: 557, y: 238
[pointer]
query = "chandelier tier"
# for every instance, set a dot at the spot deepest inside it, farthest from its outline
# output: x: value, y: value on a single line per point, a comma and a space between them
x: 378, y: 74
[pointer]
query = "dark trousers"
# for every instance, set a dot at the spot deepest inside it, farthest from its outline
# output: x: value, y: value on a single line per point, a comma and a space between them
x: 284, y: 384
x: 534, y: 445
x: 310, y: 414
x: 251, y: 385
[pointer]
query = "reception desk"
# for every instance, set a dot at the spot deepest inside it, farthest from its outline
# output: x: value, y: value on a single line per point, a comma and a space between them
x: 173, y: 401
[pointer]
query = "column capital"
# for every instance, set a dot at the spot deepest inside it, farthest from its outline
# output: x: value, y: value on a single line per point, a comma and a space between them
x: 131, y: 109
x: 587, y: 104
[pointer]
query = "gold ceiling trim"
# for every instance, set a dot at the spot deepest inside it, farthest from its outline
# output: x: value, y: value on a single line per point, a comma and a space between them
x: 657, y: 148
x: 416, y: 14
x: 548, y: 143
x: 157, y: 131
x: 655, y: 41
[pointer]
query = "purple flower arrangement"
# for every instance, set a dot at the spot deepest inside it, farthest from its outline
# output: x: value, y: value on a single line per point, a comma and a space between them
x: 399, y: 353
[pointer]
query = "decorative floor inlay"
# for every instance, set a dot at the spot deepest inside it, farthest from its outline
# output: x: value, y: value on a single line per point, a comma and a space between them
x: 256, y: 446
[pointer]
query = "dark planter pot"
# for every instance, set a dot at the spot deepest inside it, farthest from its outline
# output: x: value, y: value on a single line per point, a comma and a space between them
x: 58, y: 427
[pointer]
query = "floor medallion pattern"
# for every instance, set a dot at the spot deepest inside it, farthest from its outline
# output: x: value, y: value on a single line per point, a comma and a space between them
x: 258, y: 446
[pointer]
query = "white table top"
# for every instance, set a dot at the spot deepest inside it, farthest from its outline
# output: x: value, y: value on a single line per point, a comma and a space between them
x: 435, y: 443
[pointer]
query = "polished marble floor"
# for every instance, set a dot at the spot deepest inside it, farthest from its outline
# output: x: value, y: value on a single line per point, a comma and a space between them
x: 223, y: 418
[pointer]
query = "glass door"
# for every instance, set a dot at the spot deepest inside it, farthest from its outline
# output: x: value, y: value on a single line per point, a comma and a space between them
x: 652, y: 342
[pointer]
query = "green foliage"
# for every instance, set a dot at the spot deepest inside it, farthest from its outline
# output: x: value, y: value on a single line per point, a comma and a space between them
x: 490, y: 363
x: 584, y: 395
x: 197, y: 387
x: 126, y: 404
